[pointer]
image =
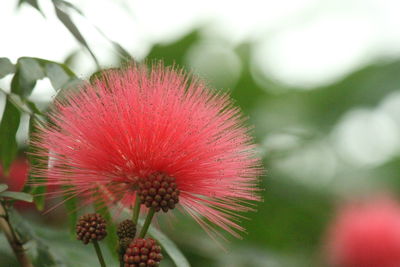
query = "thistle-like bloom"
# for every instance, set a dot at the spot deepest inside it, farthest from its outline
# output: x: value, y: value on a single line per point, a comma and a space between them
x: 365, y: 235
x: 158, y: 132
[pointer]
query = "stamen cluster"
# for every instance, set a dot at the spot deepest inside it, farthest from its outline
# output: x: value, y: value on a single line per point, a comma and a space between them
x: 159, y: 191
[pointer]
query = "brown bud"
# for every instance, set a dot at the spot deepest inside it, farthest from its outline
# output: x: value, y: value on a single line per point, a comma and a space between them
x: 91, y: 227
x: 142, y: 253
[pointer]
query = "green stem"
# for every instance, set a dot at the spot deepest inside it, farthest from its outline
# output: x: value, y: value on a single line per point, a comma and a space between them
x: 12, y: 238
x: 99, y: 254
x: 136, y: 210
x: 24, y: 108
x: 147, y: 223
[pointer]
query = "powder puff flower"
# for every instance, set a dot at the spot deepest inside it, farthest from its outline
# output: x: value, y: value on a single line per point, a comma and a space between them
x: 365, y: 235
x: 157, y: 134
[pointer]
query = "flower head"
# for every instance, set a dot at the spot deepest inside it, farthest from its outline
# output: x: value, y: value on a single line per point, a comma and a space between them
x: 365, y: 235
x: 156, y: 132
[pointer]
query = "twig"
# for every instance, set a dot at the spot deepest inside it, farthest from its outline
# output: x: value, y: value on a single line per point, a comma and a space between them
x: 147, y: 223
x: 12, y: 238
x: 22, y: 108
x: 136, y: 210
x: 99, y: 254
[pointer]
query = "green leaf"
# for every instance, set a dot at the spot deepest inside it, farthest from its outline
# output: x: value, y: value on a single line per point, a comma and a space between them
x: 24, y: 105
x: 57, y: 75
x: 72, y: 57
x: 45, y: 62
x: 6, y: 67
x: 121, y: 51
x: 70, y: 25
x: 45, y: 256
x: 72, y: 87
x: 8, y: 129
x: 39, y: 189
x: 17, y: 196
x: 30, y: 69
x: 3, y: 187
x: 60, y: 75
x: 39, y: 197
x: 174, y: 53
x: 71, y: 206
x: 33, y: 108
x: 170, y: 247
x: 96, y: 76
x: 37, y: 244
x: 111, y: 239
x: 28, y: 72
x: 99, y: 75
x: 71, y: 6
x: 33, y: 3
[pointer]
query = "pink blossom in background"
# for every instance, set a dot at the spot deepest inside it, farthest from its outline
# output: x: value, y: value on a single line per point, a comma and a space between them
x: 16, y: 179
x: 17, y: 175
x: 134, y: 122
x: 365, y: 234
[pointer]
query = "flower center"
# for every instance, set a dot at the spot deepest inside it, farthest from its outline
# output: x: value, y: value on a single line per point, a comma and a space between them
x: 159, y: 191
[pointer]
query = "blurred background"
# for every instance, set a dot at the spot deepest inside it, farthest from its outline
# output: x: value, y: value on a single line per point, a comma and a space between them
x: 318, y: 79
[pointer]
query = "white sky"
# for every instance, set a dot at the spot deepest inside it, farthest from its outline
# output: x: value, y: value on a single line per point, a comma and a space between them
x: 300, y: 42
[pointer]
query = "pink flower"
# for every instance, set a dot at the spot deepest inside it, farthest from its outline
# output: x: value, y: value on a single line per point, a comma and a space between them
x: 134, y: 123
x: 17, y: 176
x: 366, y: 235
